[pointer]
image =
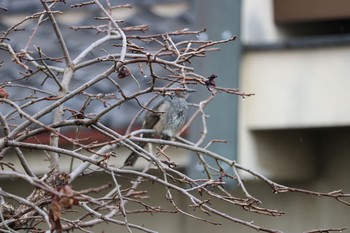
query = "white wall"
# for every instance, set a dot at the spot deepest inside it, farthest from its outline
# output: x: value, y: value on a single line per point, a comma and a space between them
x: 296, y: 88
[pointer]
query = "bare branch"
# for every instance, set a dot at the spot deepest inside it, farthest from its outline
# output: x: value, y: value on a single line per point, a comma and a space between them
x: 58, y: 34
x: 57, y: 105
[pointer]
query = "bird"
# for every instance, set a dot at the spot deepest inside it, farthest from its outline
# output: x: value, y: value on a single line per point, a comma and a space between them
x: 166, y: 118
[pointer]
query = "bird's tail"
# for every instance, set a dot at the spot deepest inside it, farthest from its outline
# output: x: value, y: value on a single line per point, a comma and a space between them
x: 131, y: 160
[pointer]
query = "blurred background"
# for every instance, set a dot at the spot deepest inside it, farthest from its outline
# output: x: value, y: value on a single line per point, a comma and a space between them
x: 294, y: 55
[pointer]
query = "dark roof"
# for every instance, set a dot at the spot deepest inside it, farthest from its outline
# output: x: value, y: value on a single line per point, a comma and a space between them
x: 27, y: 6
x: 76, y: 42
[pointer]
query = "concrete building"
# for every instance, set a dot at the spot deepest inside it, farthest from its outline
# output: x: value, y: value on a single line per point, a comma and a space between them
x: 296, y: 128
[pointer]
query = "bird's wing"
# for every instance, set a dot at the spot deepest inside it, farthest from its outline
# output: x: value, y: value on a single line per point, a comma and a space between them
x: 153, y: 117
x: 150, y: 120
